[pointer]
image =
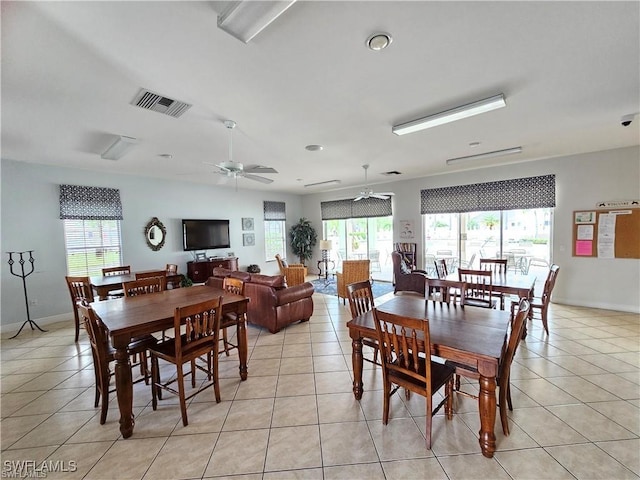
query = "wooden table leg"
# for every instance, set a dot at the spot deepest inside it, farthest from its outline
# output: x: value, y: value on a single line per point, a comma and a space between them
x: 356, y: 359
x: 487, y: 408
x: 241, y: 332
x: 124, y: 386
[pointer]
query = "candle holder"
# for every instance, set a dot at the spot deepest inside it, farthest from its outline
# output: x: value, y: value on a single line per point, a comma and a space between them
x: 23, y: 275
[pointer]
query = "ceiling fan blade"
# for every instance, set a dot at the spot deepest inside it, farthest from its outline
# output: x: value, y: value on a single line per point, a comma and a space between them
x: 257, y: 178
x: 388, y: 194
x: 358, y: 198
x: 379, y: 196
x: 259, y: 169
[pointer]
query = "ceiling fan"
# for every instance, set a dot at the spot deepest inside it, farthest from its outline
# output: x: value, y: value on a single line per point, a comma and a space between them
x: 236, y: 170
x: 368, y: 192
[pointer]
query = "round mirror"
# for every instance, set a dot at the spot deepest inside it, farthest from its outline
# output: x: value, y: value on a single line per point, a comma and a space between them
x: 155, y: 234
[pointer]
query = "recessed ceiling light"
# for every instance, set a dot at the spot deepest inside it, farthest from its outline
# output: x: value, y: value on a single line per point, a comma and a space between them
x: 474, y: 144
x: 379, y: 41
x: 165, y: 155
x: 314, y: 148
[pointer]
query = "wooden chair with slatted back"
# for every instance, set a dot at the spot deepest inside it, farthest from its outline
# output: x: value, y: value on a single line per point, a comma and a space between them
x: 504, y: 367
x: 361, y: 301
x: 121, y: 270
x: 144, y: 286
x: 196, y: 334
x: 542, y: 303
x: 104, y: 354
x: 406, y: 363
x: 151, y: 274
x: 446, y: 292
x: 79, y: 290
x: 497, y: 266
x: 479, y: 291
x: 441, y: 268
x: 233, y: 285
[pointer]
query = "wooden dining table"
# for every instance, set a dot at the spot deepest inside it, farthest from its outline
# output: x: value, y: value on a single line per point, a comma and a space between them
x: 471, y: 335
x: 130, y: 317
x: 105, y: 284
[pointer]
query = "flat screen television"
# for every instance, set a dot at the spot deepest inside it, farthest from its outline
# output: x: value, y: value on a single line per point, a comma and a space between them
x: 205, y: 234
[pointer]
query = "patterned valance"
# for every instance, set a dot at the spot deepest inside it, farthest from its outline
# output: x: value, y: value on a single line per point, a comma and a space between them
x: 90, y: 203
x: 275, y: 211
x: 519, y: 193
x: 365, y: 208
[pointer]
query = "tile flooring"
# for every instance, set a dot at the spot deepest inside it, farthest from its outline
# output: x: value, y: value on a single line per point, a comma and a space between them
x: 576, y: 396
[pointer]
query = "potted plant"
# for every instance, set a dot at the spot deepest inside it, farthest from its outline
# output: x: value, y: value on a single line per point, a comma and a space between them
x: 253, y: 268
x: 303, y: 239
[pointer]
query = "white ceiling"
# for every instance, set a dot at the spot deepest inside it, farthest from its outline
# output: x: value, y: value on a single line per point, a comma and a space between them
x: 569, y: 71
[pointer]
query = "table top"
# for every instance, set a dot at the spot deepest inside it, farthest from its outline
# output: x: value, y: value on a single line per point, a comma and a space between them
x: 478, y: 331
x: 111, y: 280
x: 153, y: 312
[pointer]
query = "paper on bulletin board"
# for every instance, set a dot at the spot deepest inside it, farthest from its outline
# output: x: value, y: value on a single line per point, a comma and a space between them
x: 606, y: 235
x: 585, y: 217
x: 585, y: 232
x: 584, y: 247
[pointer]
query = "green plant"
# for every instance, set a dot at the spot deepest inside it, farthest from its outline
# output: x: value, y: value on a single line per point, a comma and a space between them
x: 303, y: 239
x: 186, y: 281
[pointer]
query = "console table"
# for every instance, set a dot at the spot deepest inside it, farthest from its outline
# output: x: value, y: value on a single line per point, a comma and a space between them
x: 200, y: 271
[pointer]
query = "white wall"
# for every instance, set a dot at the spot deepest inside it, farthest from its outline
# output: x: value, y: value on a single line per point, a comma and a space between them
x: 31, y: 221
x: 581, y: 181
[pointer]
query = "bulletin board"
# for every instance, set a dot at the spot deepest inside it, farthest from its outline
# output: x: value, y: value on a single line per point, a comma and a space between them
x: 611, y: 233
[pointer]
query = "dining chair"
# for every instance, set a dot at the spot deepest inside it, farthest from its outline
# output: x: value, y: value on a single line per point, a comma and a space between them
x: 103, y: 355
x: 232, y: 285
x: 361, y: 301
x: 406, y: 363
x: 79, y: 289
x: 497, y: 266
x: 468, y: 264
x: 504, y: 367
x: 446, y: 292
x: 112, y: 271
x: 144, y: 286
x: 201, y: 322
x: 374, y: 257
x: 151, y: 274
x: 441, y: 268
x: 479, y: 291
x: 541, y: 303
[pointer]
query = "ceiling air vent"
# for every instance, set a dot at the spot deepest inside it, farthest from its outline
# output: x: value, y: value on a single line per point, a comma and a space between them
x: 391, y: 173
x: 152, y: 101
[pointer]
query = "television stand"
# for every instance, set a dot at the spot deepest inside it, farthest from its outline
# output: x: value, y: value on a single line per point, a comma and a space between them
x: 200, y: 271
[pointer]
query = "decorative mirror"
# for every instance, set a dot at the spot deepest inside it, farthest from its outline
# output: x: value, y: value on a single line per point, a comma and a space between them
x: 155, y: 234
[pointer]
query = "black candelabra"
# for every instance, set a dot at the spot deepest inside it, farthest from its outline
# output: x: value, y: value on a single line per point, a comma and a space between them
x: 22, y: 274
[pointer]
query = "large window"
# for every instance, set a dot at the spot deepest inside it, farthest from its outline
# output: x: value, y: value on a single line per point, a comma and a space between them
x: 91, y: 217
x: 275, y: 230
x: 91, y: 246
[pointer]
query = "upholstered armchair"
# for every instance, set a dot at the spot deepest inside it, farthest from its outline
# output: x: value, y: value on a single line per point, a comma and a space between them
x: 352, y: 271
x: 407, y: 280
x: 294, y: 273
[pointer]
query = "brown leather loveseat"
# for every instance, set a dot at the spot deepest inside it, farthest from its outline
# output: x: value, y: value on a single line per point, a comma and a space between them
x: 272, y: 303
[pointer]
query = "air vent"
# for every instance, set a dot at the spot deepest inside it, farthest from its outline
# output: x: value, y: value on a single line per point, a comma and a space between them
x: 391, y: 173
x: 152, y: 101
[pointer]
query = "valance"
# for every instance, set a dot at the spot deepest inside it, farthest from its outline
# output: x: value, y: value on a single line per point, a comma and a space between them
x: 365, y: 208
x: 275, y: 211
x: 90, y: 203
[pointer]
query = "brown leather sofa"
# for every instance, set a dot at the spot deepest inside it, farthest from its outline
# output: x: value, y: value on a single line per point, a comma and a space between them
x: 272, y: 304
x: 407, y: 280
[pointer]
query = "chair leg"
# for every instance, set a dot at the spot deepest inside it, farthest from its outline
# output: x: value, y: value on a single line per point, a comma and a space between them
x: 104, y: 393
x: 225, y: 341
x: 385, y: 404
x: 214, y: 373
x: 503, y: 412
x: 154, y: 382
x: 183, y: 403
x: 429, y: 412
x: 448, y: 406
x: 193, y: 375
x: 77, y: 320
x: 544, y: 319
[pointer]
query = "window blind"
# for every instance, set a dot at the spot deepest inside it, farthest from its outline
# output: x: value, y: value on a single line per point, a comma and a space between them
x: 275, y: 211
x: 365, y: 208
x: 519, y: 193
x: 89, y: 203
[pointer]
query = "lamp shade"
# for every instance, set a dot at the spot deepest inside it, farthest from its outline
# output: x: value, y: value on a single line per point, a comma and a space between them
x: 325, y: 244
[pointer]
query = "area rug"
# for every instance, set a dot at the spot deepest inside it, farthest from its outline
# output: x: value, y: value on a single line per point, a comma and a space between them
x: 378, y: 288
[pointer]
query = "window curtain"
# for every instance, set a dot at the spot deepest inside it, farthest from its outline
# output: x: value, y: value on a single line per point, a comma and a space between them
x: 519, y: 193
x: 365, y: 208
x: 275, y: 211
x: 89, y: 203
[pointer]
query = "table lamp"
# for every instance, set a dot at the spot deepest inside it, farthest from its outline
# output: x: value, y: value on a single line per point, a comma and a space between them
x: 325, y: 246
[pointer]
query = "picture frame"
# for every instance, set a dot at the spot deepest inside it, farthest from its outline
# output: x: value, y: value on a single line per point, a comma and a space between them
x: 200, y: 256
x: 248, y: 239
x: 247, y: 223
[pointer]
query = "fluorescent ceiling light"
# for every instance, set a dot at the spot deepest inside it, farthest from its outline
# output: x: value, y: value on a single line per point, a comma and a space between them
x: 458, y: 113
x: 480, y: 156
x: 328, y: 182
x: 119, y: 148
x: 245, y: 19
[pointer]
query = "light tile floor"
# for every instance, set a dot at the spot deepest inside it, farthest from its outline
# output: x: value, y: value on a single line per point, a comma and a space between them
x: 576, y: 395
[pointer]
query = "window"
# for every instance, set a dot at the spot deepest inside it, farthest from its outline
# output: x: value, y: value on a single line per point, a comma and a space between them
x: 91, y: 217
x: 275, y: 231
x: 91, y: 246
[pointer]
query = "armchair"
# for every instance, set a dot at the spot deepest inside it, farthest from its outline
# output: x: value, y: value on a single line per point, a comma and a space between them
x: 294, y: 273
x: 407, y: 280
x: 352, y: 271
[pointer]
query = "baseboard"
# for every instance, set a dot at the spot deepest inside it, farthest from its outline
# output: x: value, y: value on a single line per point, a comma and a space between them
x: 14, y: 327
x: 601, y: 305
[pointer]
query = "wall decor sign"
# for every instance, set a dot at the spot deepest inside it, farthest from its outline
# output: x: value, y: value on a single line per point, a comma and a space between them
x: 247, y: 224
x: 406, y: 229
x: 248, y: 239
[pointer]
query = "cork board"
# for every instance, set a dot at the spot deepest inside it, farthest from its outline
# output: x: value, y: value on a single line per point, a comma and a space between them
x: 611, y: 233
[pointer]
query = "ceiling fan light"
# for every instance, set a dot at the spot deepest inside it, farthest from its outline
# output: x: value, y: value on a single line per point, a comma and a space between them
x: 458, y: 113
